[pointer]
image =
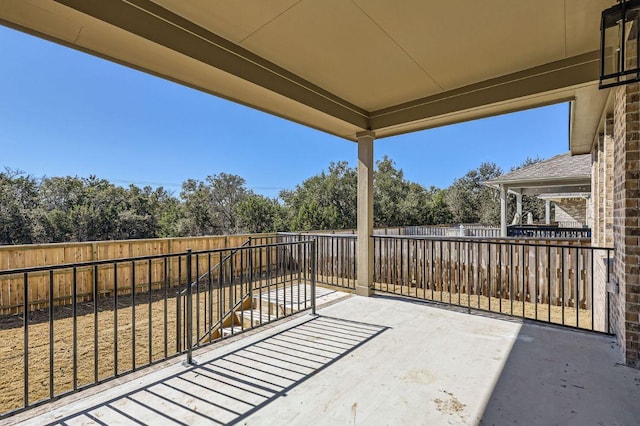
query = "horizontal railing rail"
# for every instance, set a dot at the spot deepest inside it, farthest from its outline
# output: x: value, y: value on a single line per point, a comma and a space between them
x: 202, y: 277
x: 569, y: 224
x: 537, y: 231
x: 560, y: 283
x: 125, y: 314
x: 470, y: 230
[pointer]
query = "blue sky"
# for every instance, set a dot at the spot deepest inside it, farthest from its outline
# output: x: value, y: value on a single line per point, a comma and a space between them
x: 63, y: 112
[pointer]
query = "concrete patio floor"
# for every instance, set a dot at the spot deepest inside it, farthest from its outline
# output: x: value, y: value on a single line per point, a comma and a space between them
x: 376, y: 361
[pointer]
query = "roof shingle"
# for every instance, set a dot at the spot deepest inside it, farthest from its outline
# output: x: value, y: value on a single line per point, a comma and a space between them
x: 561, y: 166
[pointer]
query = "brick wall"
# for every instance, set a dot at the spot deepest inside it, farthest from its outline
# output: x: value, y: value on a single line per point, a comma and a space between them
x: 596, y: 191
x: 570, y: 210
x: 607, y: 181
x: 600, y: 265
x: 626, y: 222
x: 602, y: 186
x: 600, y: 192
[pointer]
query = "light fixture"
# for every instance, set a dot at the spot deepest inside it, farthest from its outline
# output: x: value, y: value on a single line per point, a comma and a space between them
x: 619, y: 44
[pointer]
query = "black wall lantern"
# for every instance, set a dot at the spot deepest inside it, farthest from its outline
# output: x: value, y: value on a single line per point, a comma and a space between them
x: 619, y: 44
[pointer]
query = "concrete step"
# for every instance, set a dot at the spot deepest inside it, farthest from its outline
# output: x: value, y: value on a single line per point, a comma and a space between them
x: 230, y: 331
x: 258, y: 317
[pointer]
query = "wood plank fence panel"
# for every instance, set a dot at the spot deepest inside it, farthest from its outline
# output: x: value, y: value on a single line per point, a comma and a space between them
x: 25, y: 256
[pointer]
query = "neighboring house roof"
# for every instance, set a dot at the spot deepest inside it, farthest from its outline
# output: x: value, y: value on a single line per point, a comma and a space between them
x: 563, y: 173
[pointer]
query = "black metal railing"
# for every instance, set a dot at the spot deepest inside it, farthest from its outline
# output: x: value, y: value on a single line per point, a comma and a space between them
x: 94, y: 321
x: 254, y: 284
x: 468, y: 230
x: 554, y: 283
x: 561, y: 282
x: 538, y: 231
x: 335, y: 258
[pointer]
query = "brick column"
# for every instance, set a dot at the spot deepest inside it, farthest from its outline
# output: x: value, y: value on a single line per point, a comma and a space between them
x: 607, y: 181
x: 596, y: 191
x: 625, y: 306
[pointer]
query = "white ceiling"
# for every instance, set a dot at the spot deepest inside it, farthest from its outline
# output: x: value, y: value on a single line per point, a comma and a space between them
x: 348, y: 65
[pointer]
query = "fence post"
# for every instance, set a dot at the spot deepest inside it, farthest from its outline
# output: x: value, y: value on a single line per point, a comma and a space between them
x: 313, y: 276
x: 189, y: 310
x: 250, y: 260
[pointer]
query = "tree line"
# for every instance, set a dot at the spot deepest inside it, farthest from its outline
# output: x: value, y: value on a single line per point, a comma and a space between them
x: 62, y: 209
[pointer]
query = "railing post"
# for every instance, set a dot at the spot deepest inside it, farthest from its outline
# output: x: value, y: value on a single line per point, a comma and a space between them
x: 250, y: 260
x: 313, y: 276
x: 189, y: 310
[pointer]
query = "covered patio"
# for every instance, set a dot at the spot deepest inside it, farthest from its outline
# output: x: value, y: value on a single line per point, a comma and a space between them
x: 364, y: 70
x: 379, y: 360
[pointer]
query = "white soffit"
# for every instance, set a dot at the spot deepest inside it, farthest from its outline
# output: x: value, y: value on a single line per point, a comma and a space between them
x: 347, y: 65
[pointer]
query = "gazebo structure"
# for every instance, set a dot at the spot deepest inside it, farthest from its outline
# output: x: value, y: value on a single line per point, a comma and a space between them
x: 367, y: 69
x: 561, y: 177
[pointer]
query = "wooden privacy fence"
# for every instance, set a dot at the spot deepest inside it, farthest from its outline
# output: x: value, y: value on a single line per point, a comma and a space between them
x: 12, y: 294
x: 463, y: 230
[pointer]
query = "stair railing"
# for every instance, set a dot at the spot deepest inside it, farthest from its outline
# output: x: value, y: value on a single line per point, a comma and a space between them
x: 229, y: 259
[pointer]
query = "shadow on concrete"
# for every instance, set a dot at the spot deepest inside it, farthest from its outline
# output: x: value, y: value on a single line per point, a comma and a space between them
x: 229, y: 388
x: 554, y: 376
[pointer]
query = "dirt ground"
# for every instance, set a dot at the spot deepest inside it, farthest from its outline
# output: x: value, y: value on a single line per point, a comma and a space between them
x: 149, y: 347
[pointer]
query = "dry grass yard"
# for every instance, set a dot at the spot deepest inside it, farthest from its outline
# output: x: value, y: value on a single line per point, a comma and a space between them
x: 150, y: 343
x: 497, y: 305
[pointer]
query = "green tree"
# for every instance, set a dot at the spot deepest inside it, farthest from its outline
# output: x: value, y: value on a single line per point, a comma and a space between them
x: 59, y: 196
x: 18, y: 202
x: 439, y: 212
x: 170, y: 213
x: 325, y: 201
x: 256, y: 214
x: 210, y: 206
x: 470, y: 201
x: 398, y: 202
x: 199, y: 218
x: 227, y: 191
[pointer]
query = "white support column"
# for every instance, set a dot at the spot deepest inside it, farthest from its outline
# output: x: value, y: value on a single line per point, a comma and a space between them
x: 503, y: 211
x: 519, y: 205
x: 364, y: 286
x: 547, y: 212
